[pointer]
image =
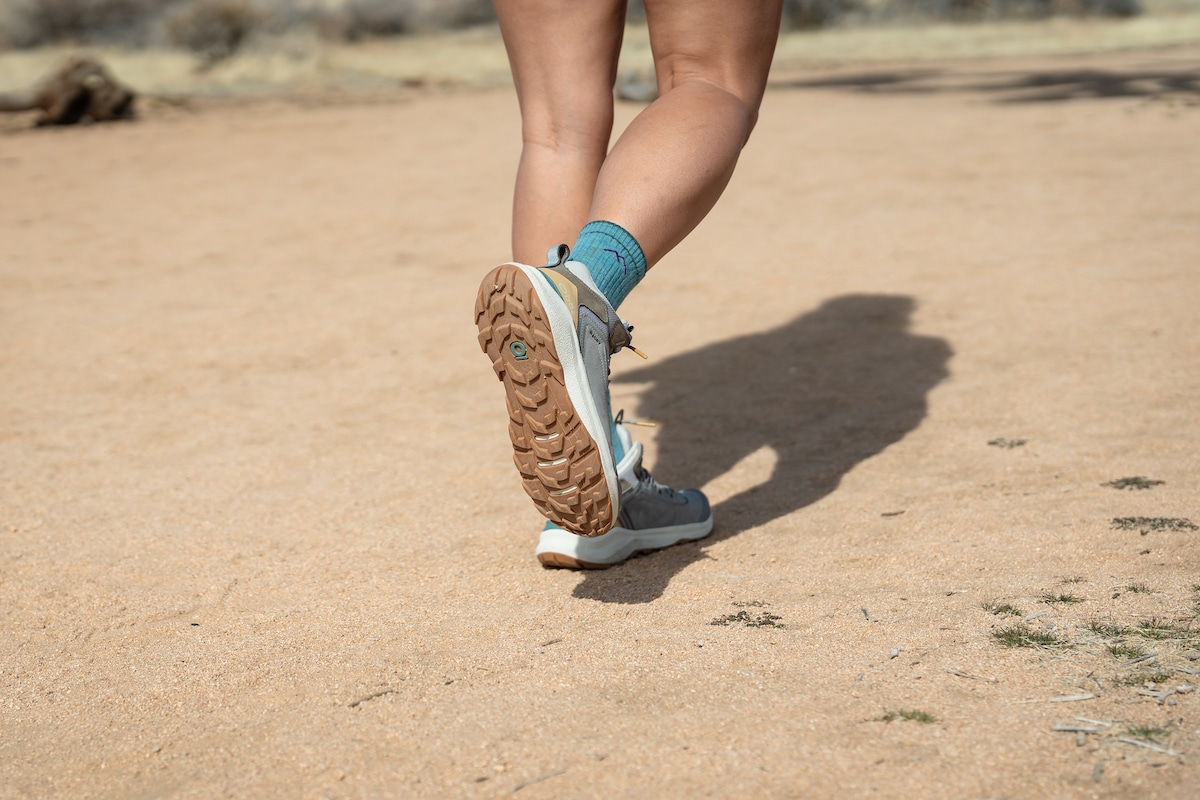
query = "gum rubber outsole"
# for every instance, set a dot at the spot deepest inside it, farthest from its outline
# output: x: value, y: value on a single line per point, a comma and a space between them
x: 559, y: 462
x: 560, y: 561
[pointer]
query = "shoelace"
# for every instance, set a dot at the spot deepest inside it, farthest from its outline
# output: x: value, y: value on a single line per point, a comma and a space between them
x: 619, y: 419
x: 646, y: 479
x: 629, y: 346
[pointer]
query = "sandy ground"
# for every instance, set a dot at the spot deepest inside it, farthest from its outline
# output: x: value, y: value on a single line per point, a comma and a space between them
x: 260, y: 534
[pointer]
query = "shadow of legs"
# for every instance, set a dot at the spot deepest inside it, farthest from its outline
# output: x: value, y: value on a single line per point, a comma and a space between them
x: 831, y: 388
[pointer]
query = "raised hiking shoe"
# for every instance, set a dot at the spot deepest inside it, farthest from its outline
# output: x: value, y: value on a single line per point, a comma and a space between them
x: 550, y: 333
x: 652, y: 517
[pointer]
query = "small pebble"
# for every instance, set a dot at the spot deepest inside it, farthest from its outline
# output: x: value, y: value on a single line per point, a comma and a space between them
x: 895, y: 652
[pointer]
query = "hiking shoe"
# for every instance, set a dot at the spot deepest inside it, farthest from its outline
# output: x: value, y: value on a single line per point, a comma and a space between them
x: 652, y: 516
x: 550, y: 334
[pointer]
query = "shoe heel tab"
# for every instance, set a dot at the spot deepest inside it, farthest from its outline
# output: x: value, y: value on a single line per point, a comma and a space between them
x: 558, y: 255
x: 627, y: 469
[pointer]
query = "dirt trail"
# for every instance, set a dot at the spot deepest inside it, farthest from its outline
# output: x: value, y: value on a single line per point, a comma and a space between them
x: 260, y: 534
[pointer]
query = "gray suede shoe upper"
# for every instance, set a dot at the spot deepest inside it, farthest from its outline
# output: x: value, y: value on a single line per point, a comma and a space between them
x: 601, y: 332
x: 647, y: 504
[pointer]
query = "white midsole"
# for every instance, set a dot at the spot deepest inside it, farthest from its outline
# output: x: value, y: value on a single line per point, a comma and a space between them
x: 563, y: 329
x: 619, y: 543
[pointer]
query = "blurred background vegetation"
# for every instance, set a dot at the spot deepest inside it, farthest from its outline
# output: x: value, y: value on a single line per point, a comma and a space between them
x: 215, y: 29
x: 220, y: 26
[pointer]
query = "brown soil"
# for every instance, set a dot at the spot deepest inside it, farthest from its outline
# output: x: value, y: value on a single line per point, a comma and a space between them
x: 261, y: 535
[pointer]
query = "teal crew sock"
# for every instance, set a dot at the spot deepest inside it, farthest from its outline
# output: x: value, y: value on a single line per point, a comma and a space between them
x: 613, y: 257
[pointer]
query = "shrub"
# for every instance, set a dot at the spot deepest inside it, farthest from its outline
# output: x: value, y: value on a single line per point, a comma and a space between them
x: 215, y: 29
x: 29, y: 23
x: 973, y: 10
x: 814, y: 14
x: 361, y: 19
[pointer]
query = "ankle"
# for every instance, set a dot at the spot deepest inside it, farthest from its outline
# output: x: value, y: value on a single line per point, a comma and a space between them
x: 613, y: 258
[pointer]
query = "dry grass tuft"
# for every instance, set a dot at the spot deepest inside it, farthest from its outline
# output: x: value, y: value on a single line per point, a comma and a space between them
x: 908, y: 716
x: 1023, y: 636
x: 214, y: 29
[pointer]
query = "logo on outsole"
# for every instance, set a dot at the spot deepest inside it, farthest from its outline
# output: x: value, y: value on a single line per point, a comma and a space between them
x: 519, y: 350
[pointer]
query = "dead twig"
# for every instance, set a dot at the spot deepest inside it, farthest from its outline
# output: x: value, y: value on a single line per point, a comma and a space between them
x: 1066, y: 698
x: 1071, y: 698
x: 1160, y: 696
x: 1148, y: 745
x: 544, y: 776
x: 372, y: 696
x: 1095, y: 722
x: 968, y: 675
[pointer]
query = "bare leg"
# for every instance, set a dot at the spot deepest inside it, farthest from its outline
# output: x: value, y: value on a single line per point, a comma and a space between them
x: 564, y: 62
x: 661, y: 178
x: 668, y: 168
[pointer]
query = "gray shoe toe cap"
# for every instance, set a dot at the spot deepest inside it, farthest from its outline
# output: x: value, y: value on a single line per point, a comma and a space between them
x: 697, y: 498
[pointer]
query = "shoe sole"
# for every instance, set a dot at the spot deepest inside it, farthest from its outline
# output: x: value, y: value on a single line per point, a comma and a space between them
x: 554, y: 437
x: 561, y: 549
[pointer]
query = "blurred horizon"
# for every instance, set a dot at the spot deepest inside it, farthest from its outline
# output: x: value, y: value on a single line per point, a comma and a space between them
x: 223, y: 48
x: 216, y: 29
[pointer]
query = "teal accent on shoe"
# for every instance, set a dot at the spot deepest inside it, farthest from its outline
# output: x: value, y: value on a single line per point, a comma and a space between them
x: 613, y: 257
x: 550, y: 526
x: 618, y: 445
x: 519, y: 351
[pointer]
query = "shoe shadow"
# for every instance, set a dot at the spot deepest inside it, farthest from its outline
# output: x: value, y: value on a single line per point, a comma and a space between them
x: 826, y: 391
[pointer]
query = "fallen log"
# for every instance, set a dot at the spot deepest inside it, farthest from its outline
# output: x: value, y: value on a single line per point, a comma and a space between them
x: 80, y: 90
